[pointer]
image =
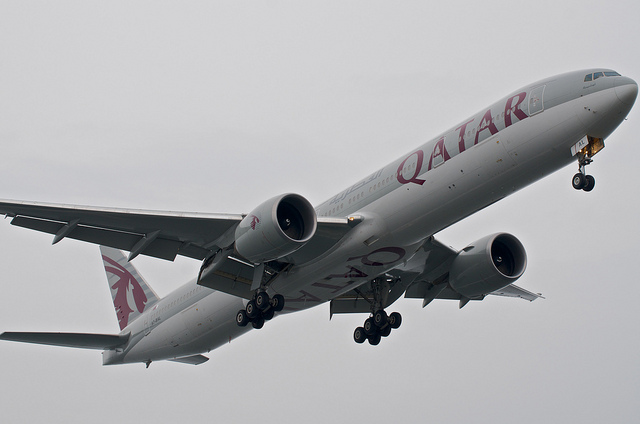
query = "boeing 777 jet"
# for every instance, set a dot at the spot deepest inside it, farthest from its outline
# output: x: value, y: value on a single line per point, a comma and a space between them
x: 360, y: 250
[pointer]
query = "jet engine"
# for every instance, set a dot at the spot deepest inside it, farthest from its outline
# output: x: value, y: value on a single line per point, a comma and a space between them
x: 487, y: 265
x: 276, y: 228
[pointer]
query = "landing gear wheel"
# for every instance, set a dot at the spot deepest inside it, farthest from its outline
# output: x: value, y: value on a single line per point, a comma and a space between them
x: 242, y: 319
x: 374, y: 339
x: 268, y: 314
x: 384, y: 332
x: 369, y: 327
x: 380, y: 318
x: 590, y: 183
x: 262, y: 301
x: 359, y: 335
x: 258, y: 323
x: 277, y: 302
x: 395, y: 319
x: 579, y: 181
x: 252, y: 309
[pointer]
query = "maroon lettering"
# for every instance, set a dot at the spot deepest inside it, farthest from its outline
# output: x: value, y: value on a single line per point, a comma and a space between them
x: 510, y: 108
x: 438, y: 150
x: 463, y: 129
x: 414, y: 178
x: 486, y: 123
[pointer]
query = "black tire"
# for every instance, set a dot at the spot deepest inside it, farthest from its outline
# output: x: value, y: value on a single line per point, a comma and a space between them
x: 252, y: 309
x: 369, y: 327
x: 268, y: 314
x: 258, y: 323
x: 380, y: 319
x: 579, y: 181
x: 385, y: 331
x: 395, y: 319
x: 359, y: 335
x: 242, y: 319
x: 262, y: 301
x: 277, y: 302
x: 374, y: 340
x: 590, y: 184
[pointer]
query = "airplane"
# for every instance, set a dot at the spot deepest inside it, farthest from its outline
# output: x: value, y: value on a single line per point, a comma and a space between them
x: 361, y: 250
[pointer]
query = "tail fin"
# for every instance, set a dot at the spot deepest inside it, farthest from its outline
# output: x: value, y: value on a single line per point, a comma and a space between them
x: 131, y: 294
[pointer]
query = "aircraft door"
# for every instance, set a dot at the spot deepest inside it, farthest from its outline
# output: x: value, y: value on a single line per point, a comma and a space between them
x: 536, y: 100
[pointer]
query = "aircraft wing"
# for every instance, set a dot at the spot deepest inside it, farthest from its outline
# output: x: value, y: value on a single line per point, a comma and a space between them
x: 79, y: 340
x: 424, y: 276
x: 431, y: 267
x: 153, y: 233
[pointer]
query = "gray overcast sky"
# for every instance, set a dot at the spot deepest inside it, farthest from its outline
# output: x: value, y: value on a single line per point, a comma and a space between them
x: 216, y: 106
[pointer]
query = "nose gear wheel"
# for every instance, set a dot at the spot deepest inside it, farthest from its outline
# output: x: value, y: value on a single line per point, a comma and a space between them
x: 582, y: 181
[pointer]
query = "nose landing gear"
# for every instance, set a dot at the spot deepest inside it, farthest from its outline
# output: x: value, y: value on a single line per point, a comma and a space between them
x: 581, y: 181
x: 585, y: 149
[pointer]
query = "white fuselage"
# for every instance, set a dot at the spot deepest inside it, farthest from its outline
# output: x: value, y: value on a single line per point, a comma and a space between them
x: 507, y: 146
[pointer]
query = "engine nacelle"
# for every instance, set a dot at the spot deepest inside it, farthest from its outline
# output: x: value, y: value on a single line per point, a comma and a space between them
x: 487, y: 265
x: 276, y: 228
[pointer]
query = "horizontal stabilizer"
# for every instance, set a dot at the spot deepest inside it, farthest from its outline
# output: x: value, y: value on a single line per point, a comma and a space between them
x: 79, y: 340
x: 193, y: 360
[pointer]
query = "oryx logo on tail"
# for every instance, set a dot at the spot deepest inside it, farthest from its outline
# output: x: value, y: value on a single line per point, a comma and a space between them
x: 130, y: 293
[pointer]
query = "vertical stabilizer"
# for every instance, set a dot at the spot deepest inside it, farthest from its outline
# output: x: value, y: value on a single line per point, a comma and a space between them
x: 131, y: 294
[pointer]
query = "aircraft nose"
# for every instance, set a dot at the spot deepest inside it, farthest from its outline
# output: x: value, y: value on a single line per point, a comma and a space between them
x: 626, y: 90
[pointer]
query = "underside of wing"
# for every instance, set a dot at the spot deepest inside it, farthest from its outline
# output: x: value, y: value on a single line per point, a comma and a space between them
x: 78, y: 340
x: 160, y: 234
x: 168, y: 234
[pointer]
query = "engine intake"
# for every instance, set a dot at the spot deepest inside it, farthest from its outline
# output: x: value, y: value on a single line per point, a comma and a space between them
x: 276, y: 228
x: 487, y: 265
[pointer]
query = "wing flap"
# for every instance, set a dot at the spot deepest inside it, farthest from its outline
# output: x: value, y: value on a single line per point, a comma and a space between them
x: 230, y: 276
x: 160, y: 248
x: 78, y: 340
x: 515, y: 291
x: 192, y: 360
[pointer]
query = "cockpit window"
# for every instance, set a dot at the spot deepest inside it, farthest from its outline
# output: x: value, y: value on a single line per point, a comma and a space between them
x: 596, y: 75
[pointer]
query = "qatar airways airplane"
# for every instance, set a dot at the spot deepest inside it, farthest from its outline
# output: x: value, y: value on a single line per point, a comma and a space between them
x: 360, y: 250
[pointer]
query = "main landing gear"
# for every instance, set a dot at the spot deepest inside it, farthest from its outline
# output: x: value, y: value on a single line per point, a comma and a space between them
x: 379, y: 324
x: 260, y: 309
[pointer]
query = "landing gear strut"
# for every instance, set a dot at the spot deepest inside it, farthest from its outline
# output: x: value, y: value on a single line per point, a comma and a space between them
x: 379, y: 324
x: 260, y: 309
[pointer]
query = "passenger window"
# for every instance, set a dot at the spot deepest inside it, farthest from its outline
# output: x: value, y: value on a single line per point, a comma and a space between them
x: 589, y: 77
x: 597, y: 75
